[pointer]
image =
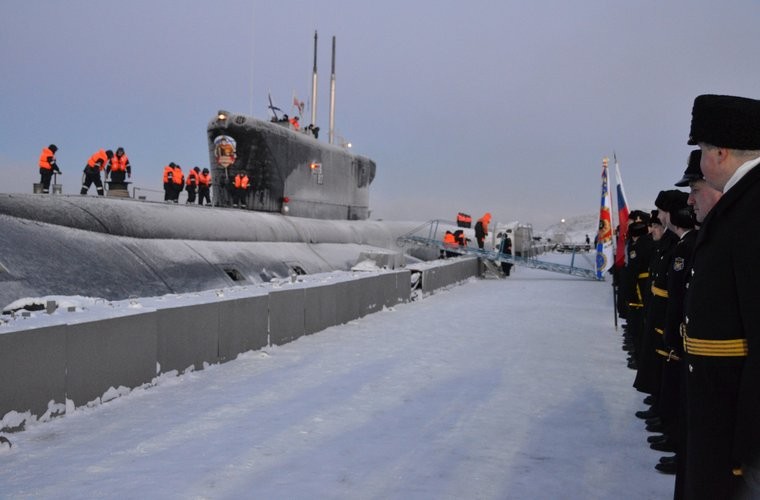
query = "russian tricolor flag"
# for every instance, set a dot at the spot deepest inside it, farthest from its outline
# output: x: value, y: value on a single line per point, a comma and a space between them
x: 622, y: 206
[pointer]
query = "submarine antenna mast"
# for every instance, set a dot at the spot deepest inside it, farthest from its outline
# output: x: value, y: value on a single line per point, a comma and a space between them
x: 314, y: 85
x: 332, y: 95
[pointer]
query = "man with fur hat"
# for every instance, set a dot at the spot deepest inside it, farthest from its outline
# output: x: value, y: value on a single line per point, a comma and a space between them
x: 721, y: 328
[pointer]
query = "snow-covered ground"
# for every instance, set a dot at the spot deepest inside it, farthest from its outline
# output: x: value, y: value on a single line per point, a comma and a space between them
x: 495, y: 389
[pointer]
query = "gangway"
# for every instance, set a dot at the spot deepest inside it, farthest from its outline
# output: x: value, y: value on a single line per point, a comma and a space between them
x: 427, y: 235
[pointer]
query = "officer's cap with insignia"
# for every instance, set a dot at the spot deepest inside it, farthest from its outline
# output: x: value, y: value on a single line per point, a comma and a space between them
x: 654, y: 218
x: 675, y: 203
x: 671, y: 200
x: 638, y: 216
x: 693, y: 172
x: 725, y: 121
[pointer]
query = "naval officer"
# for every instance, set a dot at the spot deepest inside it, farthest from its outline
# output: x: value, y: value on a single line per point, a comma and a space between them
x: 721, y: 329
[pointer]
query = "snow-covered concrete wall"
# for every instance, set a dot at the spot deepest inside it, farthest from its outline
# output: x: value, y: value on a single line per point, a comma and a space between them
x: 435, y: 276
x: 67, y: 360
x: 45, y: 370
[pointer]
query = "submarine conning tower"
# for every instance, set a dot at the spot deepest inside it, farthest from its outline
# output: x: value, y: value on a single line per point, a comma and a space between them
x: 290, y: 171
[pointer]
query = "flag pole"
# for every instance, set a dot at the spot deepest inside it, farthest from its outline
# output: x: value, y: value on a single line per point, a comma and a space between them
x: 621, y: 237
x: 615, y: 283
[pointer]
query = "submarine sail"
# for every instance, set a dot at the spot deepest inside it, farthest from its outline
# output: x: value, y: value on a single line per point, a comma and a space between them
x: 290, y: 170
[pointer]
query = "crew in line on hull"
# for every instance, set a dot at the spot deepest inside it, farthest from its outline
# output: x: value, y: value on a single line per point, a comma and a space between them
x: 191, y: 185
x: 173, y: 182
x: 241, y: 186
x: 118, y: 167
x: 178, y: 183
x: 204, y: 187
x: 48, y: 166
x: 95, y: 165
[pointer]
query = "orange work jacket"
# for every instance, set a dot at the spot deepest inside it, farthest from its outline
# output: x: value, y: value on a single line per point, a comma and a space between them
x: 204, y: 179
x: 98, y: 160
x: 241, y: 181
x: 119, y: 164
x: 178, y: 177
x: 168, y: 173
x: 192, y: 178
x: 47, y: 157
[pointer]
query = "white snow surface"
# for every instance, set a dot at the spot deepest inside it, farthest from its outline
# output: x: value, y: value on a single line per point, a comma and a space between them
x: 494, y: 389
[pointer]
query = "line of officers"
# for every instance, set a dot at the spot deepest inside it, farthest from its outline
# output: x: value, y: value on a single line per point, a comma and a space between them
x: 690, y: 294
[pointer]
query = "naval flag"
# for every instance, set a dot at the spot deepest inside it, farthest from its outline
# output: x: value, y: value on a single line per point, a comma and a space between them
x: 298, y: 105
x: 604, y: 234
x: 622, y: 209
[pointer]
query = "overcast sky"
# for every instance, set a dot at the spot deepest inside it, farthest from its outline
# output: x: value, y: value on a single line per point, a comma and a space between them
x: 504, y: 106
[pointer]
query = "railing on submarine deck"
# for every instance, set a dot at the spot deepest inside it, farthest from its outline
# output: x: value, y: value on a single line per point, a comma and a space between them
x: 433, y: 240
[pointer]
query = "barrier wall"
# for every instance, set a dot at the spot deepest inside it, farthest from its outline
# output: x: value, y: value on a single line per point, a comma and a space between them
x: 243, y: 326
x: 453, y: 272
x: 82, y: 361
x: 117, y: 352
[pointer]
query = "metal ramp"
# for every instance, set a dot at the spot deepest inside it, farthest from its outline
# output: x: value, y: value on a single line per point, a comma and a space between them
x: 427, y: 235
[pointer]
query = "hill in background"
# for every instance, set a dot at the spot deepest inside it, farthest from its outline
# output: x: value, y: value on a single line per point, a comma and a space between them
x: 572, y: 230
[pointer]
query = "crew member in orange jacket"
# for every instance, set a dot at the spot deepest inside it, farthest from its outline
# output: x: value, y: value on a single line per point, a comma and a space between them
x: 449, y: 240
x: 204, y: 187
x: 169, y: 182
x: 191, y: 185
x: 481, y: 228
x: 48, y: 166
x: 241, y: 185
x: 178, y: 182
x: 95, y: 165
x: 119, y: 166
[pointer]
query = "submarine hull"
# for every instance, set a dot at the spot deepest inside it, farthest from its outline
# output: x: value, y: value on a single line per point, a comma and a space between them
x: 120, y: 248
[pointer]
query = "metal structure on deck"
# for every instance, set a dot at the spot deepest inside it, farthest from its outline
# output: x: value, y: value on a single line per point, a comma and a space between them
x: 430, y: 234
